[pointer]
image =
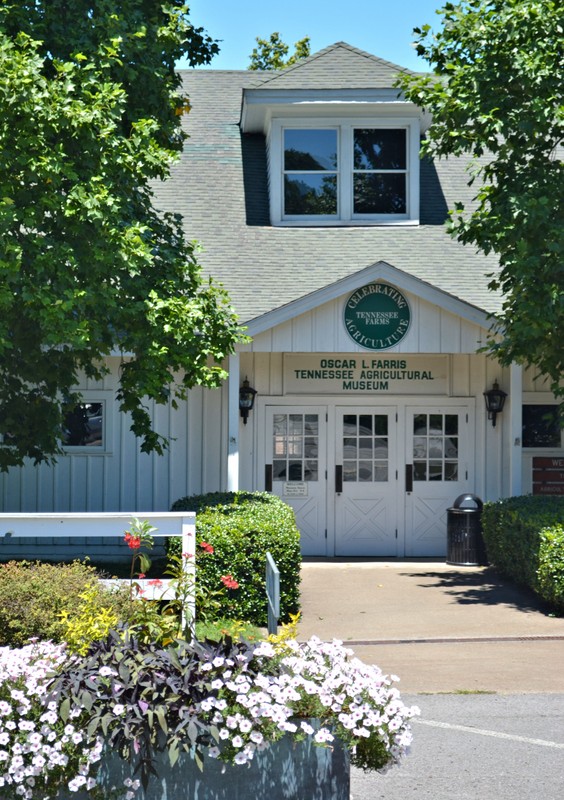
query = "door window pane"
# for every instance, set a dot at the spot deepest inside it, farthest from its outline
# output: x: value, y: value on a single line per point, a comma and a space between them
x: 435, y: 447
x: 295, y: 447
x: 365, y: 447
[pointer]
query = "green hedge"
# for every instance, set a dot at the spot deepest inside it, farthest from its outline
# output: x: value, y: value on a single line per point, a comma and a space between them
x: 242, y: 527
x: 551, y: 566
x: 33, y: 596
x: 524, y: 540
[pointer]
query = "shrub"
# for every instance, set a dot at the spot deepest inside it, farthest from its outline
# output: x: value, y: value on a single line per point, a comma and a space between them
x: 551, y: 565
x: 241, y: 527
x: 513, y: 534
x: 36, y: 597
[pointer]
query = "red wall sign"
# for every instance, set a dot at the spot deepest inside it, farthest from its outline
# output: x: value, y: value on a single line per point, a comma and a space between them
x: 548, y: 475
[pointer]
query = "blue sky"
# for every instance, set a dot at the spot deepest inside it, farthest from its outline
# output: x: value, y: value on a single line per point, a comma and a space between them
x: 382, y: 27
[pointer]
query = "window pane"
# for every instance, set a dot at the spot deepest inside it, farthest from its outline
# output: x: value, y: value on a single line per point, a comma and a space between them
x: 83, y: 426
x: 365, y: 447
x: 310, y: 149
x: 436, y: 423
x: 451, y: 471
x: 380, y: 148
x: 381, y: 424
x: 435, y: 470
x: 380, y: 193
x: 310, y: 472
x: 296, y: 423
x: 420, y: 424
x: 364, y: 470
x: 279, y: 470
x: 279, y: 424
x: 310, y: 194
x: 349, y: 471
x: 310, y: 449
x: 311, y: 424
x: 365, y: 422
x: 541, y: 427
x: 380, y: 472
x: 349, y: 424
x: 419, y: 471
x: 451, y: 424
x: 295, y: 472
x: 380, y: 448
x: 419, y: 447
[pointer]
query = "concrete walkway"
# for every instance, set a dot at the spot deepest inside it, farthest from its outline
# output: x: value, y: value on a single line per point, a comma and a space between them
x: 440, y: 628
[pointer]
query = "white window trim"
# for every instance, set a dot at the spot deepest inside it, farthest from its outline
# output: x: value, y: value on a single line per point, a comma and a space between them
x: 344, y: 127
x: 107, y: 399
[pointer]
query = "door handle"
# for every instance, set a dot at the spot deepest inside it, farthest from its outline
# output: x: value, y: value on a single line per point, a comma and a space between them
x: 268, y: 477
x: 409, y: 477
x: 338, y: 478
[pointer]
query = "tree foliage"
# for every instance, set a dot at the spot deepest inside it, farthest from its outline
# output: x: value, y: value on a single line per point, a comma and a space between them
x: 90, y: 117
x: 272, y: 53
x: 497, y: 96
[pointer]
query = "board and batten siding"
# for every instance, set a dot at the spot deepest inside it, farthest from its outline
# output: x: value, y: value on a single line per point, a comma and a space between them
x: 121, y: 477
x: 432, y: 330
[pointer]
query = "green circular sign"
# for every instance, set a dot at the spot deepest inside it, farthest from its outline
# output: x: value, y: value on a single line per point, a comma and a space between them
x: 377, y: 316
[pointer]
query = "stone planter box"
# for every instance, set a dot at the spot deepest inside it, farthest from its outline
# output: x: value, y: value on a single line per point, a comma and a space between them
x: 287, y: 770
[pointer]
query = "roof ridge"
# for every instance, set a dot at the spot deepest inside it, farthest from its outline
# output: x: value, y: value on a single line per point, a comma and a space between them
x: 345, y: 45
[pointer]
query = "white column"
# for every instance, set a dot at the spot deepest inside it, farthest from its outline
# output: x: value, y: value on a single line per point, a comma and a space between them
x: 515, y: 429
x: 233, y: 425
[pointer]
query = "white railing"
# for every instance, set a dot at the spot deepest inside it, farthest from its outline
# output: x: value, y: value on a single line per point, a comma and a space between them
x: 113, y: 524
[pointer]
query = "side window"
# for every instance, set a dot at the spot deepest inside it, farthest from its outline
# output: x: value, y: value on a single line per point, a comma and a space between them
x: 541, y: 426
x: 84, y: 426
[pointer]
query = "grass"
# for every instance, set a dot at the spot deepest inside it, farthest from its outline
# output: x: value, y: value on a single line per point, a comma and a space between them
x: 216, y: 629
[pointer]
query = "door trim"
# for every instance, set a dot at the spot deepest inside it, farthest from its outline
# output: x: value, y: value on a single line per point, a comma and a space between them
x: 330, y: 404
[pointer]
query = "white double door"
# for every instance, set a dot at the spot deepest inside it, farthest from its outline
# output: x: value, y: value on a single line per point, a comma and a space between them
x: 370, y: 480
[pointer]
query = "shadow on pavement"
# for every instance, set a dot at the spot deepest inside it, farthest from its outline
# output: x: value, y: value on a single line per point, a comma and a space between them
x: 486, y: 587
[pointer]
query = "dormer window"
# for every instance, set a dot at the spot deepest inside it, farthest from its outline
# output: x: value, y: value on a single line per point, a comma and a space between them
x: 344, y: 172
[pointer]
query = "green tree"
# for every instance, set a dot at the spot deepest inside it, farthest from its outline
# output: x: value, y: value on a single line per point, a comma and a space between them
x: 497, y: 96
x: 272, y: 53
x: 90, y: 118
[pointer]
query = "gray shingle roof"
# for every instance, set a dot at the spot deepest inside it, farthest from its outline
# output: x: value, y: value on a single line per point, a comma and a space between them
x: 338, y: 66
x: 220, y: 188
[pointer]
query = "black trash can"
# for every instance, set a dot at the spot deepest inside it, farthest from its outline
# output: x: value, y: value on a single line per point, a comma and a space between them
x: 465, y: 543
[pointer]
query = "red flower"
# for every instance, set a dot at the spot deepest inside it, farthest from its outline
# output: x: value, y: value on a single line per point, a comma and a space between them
x: 155, y: 582
x: 229, y: 582
x: 134, y: 542
x: 141, y: 575
x: 207, y: 547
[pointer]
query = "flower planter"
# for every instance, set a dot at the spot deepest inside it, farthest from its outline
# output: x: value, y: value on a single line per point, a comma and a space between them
x: 287, y: 770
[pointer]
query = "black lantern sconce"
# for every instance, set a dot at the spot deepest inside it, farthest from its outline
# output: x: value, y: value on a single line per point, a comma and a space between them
x: 246, y: 399
x: 495, y: 400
